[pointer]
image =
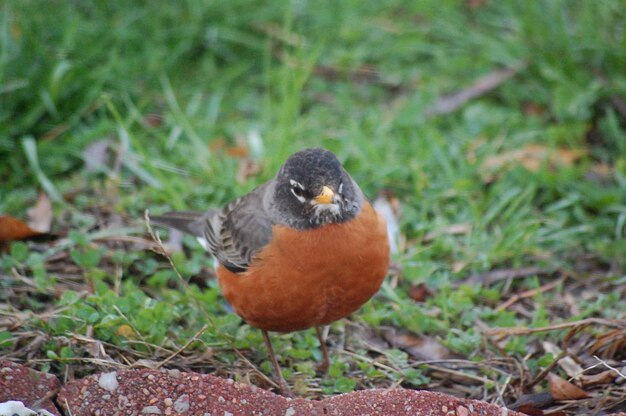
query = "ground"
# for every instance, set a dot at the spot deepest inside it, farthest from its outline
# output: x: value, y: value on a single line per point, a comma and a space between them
x: 491, y: 133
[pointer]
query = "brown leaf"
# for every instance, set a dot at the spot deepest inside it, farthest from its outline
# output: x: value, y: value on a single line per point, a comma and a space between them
x: 13, y: 229
x: 422, y: 348
x: 40, y: 215
x: 532, y: 157
x: 249, y: 166
x: 240, y: 151
x: 610, y: 344
x: 533, y: 109
x: 126, y: 331
x: 564, y: 390
x: 529, y: 409
x: 153, y: 120
x: 420, y: 292
x: 532, y: 403
x: 605, y: 377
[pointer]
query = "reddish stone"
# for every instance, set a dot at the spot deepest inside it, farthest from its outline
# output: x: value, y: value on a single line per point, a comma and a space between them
x: 171, y: 392
x: 35, y: 389
x: 400, y: 402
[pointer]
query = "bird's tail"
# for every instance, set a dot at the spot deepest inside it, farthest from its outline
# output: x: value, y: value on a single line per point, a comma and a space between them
x: 189, y: 222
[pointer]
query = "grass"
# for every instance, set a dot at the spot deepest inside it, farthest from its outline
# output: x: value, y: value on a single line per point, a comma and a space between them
x: 178, y: 88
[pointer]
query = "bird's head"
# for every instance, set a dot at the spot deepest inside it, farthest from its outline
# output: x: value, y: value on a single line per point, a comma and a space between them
x: 313, y: 189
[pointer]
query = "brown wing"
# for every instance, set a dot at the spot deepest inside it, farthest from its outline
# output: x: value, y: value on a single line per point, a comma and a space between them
x: 233, y: 234
x: 239, y: 231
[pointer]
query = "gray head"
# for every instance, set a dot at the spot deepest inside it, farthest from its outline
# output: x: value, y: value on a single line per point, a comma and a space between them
x: 312, y: 189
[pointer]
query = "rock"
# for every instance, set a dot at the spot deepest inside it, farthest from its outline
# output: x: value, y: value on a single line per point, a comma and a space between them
x: 400, y: 402
x: 166, y: 392
x: 33, y: 388
x: 15, y: 408
x: 175, y: 393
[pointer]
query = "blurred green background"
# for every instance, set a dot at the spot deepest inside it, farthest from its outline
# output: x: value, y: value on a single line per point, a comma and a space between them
x: 196, y: 102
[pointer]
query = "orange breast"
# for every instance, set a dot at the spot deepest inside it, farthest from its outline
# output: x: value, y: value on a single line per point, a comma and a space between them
x: 313, y: 277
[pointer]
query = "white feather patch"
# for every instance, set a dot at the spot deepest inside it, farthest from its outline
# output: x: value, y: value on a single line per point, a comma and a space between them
x: 203, y: 243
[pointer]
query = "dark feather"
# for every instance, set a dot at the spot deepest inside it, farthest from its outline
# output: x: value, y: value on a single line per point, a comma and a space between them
x: 234, y: 234
x: 189, y: 222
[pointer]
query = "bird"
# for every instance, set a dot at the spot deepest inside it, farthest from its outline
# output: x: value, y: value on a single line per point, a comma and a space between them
x: 302, y: 250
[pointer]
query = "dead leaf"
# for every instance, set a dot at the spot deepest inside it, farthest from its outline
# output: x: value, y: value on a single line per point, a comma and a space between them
x: 530, y: 410
x: 239, y: 151
x: 420, y: 292
x: 532, y: 403
x: 533, y: 109
x: 40, y: 215
x: 610, y: 344
x: 14, y: 229
x: 454, y: 229
x: 422, y: 348
x: 605, y: 377
x: 532, y: 157
x: 153, y: 120
x: 491, y: 81
x: 567, y: 364
x: 126, y: 331
x: 247, y: 149
x: 564, y: 390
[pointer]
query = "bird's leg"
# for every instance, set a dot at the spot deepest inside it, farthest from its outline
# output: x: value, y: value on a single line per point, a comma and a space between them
x: 322, y: 366
x: 278, y: 375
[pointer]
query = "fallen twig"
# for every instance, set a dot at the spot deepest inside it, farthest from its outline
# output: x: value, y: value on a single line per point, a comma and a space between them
x: 501, y: 333
x: 449, y: 103
x: 530, y: 293
x: 184, y: 347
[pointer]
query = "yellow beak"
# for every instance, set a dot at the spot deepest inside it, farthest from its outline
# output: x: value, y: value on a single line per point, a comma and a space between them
x: 326, y: 197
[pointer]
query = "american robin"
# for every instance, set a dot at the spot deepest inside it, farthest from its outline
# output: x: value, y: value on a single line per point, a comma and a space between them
x: 302, y: 250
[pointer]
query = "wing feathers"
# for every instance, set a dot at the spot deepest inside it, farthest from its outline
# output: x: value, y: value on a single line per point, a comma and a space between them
x: 234, y: 234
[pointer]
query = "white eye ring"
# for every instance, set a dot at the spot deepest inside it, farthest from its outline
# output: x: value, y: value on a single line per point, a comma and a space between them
x: 297, y: 185
x: 340, y: 189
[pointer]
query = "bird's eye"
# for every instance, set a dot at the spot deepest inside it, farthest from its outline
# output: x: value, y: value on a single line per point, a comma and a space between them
x: 340, y: 189
x: 297, y: 190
